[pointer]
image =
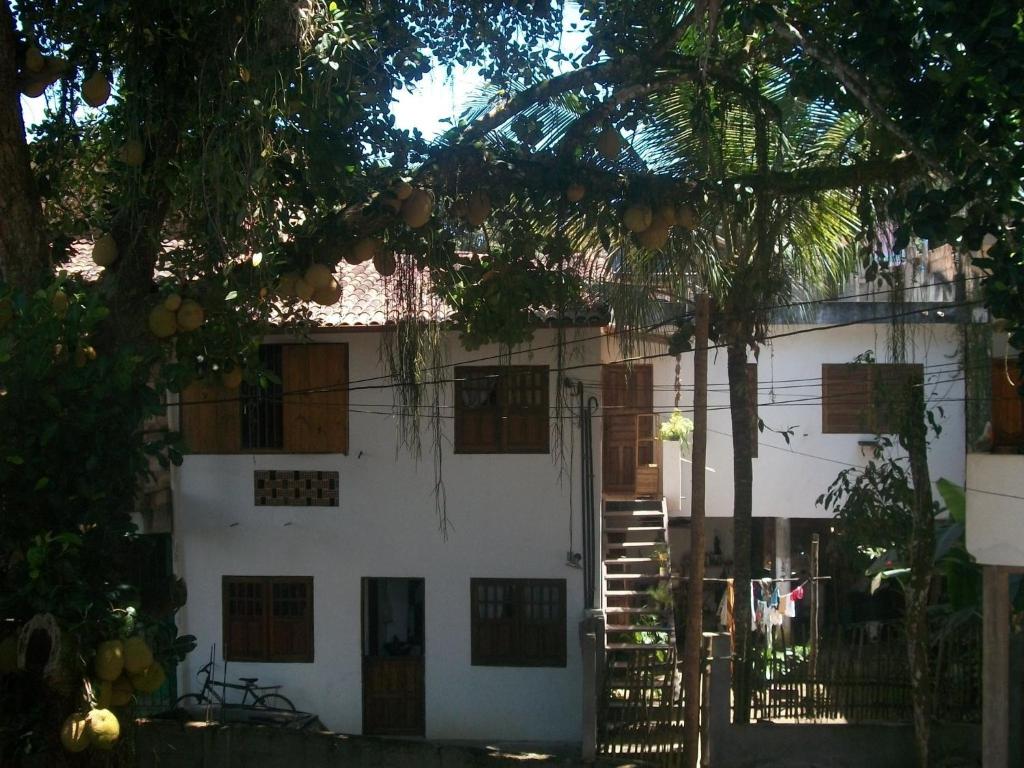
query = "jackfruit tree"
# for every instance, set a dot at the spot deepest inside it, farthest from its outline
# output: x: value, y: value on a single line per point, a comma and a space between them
x: 193, y: 159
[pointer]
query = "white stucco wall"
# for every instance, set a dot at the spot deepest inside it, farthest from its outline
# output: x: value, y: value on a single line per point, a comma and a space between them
x: 510, y: 516
x: 995, y: 508
x: 789, y: 478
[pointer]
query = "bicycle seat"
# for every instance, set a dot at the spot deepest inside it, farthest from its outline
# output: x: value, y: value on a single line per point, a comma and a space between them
x: 249, y: 680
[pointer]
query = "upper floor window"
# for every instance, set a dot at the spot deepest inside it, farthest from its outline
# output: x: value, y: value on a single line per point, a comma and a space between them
x: 501, y: 409
x: 1007, y: 412
x: 866, y: 398
x: 307, y: 412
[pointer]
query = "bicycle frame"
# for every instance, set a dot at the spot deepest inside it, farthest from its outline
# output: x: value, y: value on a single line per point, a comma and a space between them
x: 210, y: 685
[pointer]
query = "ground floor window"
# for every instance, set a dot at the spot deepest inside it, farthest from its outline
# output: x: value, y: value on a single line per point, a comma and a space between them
x: 268, y: 618
x: 518, y: 622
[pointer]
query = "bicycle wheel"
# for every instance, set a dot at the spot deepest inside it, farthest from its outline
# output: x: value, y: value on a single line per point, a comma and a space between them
x: 274, y: 701
x: 189, y: 700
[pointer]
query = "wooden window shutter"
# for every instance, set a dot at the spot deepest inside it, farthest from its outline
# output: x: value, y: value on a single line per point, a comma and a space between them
x: 627, y: 389
x: 477, y: 410
x: 244, y: 602
x: 891, y: 394
x: 1007, y: 411
x: 290, y: 631
x: 525, y: 392
x: 211, y: 418
x: 315, y: 410
x: 846, y: 398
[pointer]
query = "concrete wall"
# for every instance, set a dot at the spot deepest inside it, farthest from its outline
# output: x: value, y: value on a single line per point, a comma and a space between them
x: 510, y: 516
x: 995, y: 499
x: 163, y: 744
x: 789, y: 478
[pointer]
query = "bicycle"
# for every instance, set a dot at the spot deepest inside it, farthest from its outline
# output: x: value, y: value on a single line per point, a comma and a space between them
x: 209, y: 694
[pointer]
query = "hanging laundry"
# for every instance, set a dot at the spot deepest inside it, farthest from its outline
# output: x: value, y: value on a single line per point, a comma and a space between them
x: 798, y: 593
x: 787, y: 606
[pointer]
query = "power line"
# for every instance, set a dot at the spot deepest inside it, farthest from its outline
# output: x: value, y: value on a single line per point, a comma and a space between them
x: 661, y: 323
x: 580, y: 366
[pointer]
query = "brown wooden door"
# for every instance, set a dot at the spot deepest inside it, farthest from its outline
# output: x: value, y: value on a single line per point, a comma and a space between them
x: 393, y: 695
x: 628, y: 446
x: 393, y: 652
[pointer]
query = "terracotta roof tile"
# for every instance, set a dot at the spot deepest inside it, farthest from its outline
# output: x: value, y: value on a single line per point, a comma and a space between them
x: 364, y: 297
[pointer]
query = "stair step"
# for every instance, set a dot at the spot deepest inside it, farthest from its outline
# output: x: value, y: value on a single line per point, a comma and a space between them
x: 631, y: 576
x: 632, y: 529
x: 634, y: 504
x: 628, y: 609
x: 638, y: 646
x: 627, y: 593
x: 630, y: 561
x: 635, y: 628
x: 632, y: 513
x: 633, y: 544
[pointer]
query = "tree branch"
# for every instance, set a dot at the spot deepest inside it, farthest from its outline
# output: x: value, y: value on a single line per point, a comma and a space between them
x: 857, y: 87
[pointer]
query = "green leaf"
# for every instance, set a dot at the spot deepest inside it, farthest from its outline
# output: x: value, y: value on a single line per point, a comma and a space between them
x: 954, y: 498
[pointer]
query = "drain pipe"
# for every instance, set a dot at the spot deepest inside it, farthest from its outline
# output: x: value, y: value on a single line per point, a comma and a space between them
x: 586, y: 410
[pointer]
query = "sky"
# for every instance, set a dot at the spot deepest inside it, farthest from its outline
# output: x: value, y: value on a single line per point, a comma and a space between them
x: 437, y: 97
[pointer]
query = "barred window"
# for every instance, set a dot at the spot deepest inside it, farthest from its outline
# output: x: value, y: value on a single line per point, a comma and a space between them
x: 518, y: 622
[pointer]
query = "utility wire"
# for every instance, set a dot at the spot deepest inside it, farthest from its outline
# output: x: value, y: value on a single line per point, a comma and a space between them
x: 580, y: 366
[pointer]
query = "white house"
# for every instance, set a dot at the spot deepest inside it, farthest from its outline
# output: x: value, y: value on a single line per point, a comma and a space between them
x: 315, y: 556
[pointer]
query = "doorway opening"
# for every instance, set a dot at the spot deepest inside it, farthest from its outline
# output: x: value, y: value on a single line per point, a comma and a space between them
x: 393, y: 651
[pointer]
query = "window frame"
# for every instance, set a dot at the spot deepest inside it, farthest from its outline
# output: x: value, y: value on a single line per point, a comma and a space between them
x: 503, y: 409
x: 516, y: 625
x: 266, y: 654
x: 309, y: 409
x: 869, y: 400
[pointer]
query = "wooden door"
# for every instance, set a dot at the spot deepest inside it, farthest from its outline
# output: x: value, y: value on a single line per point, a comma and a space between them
x: 393, y: 652
x: 393, y: 696
x: 629, y: 455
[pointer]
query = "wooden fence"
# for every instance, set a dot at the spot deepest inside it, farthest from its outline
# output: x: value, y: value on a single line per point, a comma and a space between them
x: 861, y: 675
x: 641, y: 711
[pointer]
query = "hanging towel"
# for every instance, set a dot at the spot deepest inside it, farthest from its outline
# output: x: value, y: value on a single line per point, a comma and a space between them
x: 788, y: 606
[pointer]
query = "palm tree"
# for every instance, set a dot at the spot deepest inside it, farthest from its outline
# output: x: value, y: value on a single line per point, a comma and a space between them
x: 717, y: 148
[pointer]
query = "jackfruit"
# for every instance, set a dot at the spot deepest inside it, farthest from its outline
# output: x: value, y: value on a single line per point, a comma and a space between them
x: 104, y: 251
x: 162, y: 322
x: 190, y: 315
x: 103, y: 728
x: 109, y: 660
x: 150, y: 679
x: 96, y: 90
x: 74, y: 734
x: 137, y: 655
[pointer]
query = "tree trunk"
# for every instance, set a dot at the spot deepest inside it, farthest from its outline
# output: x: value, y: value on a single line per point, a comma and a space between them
x: 922, y: 557
x: 23, y: 259
x: 695, y: 586
x: 742, y: 510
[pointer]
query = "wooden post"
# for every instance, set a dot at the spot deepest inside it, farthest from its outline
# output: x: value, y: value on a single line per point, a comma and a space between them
x: 590, y: 691
x: 695, y: 587
x: 813, y: 640
x: 995, y: 671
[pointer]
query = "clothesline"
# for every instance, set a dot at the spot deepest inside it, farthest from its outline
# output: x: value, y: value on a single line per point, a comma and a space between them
x: 808, y: 578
